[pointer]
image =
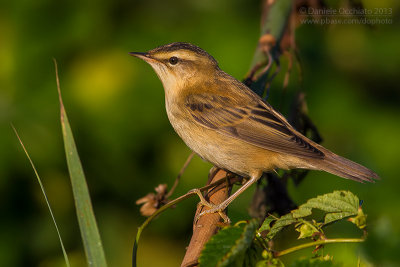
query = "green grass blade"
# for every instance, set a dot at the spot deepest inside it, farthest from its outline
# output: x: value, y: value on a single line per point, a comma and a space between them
x: 45, y: 197
x: 87, y: 222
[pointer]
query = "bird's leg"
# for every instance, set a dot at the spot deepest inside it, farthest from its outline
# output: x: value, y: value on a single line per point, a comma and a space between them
x: 219, y: 208
x: 204, y: 202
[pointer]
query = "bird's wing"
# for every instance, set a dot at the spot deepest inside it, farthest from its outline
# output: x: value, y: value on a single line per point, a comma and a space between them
x: 251, y: 121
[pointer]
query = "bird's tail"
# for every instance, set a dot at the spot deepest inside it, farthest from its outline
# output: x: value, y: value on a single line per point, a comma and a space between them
x: 345, y: 168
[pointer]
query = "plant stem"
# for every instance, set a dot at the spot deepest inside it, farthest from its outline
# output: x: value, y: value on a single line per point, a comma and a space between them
x: 317, y: 243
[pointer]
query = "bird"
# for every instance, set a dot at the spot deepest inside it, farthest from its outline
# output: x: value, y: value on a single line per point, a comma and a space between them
x: 227, y: 124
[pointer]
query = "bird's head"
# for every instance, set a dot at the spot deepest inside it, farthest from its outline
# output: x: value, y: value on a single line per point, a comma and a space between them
x: 179, y: 64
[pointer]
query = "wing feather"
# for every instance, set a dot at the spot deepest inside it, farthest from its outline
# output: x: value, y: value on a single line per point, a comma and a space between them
x: 251, y: 121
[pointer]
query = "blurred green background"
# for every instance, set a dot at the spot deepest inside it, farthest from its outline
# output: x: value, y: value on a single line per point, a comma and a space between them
x: 116, y: 109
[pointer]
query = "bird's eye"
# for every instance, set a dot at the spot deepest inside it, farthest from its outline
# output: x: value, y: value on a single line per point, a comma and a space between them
x: 173, y: 60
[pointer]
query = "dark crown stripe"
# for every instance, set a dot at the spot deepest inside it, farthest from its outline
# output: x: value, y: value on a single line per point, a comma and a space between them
x: 183, y: 46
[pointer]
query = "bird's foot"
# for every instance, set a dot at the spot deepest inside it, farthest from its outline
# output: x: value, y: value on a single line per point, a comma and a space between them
x: 215, y: 209
x: 211, y: 208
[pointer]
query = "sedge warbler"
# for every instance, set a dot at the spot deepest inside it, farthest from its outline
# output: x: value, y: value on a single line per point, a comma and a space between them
x: 227, y: 124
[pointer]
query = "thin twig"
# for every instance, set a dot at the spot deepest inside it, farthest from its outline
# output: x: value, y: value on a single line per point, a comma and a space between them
x: 178, y: 178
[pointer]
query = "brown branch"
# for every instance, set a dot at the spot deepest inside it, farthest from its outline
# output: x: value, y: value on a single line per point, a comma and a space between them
x: 207, y: 225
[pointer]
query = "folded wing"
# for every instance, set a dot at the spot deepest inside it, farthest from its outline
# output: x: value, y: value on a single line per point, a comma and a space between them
x: 250, y: 120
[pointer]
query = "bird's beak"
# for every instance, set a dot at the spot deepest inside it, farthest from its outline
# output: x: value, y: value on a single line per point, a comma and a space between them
x: 139, y: 54
x: 145, y: 56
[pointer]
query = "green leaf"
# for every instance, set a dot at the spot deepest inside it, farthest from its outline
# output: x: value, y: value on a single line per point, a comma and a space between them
x: 283, y: 221
x: 86, y: 219
x: 45, y: 197
x: 266, y: 225
x: 338, y: 205
x: 228, y: 246
x: 307, y: 229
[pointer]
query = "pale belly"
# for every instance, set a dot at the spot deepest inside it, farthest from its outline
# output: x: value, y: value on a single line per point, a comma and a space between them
x: 227, y: 152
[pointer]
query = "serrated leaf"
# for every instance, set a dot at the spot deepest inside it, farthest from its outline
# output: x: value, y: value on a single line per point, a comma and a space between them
x: 266, y: 225
x: 283, y: 221
x: 228, y: 246
x: 338, y: 205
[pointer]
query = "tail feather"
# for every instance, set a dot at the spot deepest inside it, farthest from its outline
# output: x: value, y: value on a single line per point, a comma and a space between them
x: 345, y: 168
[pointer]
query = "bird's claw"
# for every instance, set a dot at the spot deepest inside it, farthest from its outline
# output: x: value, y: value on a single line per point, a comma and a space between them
x: 214, y: 209
x: 211, y: 208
